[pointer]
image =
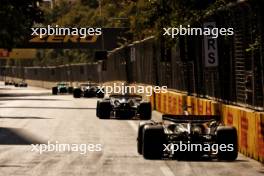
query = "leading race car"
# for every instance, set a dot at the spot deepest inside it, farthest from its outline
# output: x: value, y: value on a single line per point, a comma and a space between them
x: 21, y: 84
x: 88, y: 90
x: 187, y: 136
x: 62, y: 87
x: 123, y: 106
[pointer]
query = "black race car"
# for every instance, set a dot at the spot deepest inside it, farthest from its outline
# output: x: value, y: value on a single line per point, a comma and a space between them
x: 123, y: 106
x: 9, y: 83
x: 21, y: 84
x: 62, y: 88
x: 200, y: 136
x: 88, y: 90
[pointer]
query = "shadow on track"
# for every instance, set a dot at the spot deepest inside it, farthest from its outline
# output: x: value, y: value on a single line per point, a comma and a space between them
x: 16, y: 136
x: 30, y: 99
x: 24, y: 94
x: 25, y: 117
x: 39, y: 107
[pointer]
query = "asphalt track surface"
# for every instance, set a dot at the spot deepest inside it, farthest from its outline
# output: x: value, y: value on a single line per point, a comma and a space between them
x: 32, y: 115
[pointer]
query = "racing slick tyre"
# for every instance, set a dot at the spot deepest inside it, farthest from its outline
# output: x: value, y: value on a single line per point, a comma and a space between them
x: 140, y: 135
x: 77, y: 93
x: 145, y: 110
x: 6, y: 83
x: 97, y: 107
x: 54, y: 90
x: 16, y: 85
x: 153, y: 140
x: 227, y: 135
x: 70, y: 90
x: 103, y: 109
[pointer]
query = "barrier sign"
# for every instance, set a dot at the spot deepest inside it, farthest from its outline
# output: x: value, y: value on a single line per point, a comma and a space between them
x: 132, y: 54
x: 210, y: 47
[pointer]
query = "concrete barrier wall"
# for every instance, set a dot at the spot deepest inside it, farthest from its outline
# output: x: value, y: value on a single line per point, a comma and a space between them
x: 249, y: 123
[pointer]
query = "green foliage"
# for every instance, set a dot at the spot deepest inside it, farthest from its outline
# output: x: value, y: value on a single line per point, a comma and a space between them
x: 17, y: 17
x: 91, y: 3
x: 143, y: 17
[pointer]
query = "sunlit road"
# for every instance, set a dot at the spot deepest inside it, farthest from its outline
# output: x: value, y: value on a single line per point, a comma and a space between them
x: 32, y: 115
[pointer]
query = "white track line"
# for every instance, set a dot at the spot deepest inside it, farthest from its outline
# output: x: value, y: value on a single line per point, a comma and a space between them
x: 166, y: 171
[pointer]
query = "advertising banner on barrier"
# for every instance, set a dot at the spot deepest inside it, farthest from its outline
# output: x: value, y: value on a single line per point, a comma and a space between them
x: 247, y: 132
x: 164, y: 102
x: 259, y: 137
x: 158, y: 102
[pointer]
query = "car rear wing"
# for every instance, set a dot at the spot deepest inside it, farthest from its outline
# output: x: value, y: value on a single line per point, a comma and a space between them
x: 190, y: 118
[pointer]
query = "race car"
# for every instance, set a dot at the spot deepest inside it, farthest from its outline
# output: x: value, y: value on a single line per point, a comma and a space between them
x: 9, y: 82
x: 123, y: 106
x: 62, y: 88
x: 88, y: 90
x: 21, y: 84
x: 200, y: 136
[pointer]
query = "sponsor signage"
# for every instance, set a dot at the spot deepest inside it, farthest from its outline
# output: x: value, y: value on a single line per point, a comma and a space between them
x: 210, y: 47
x: 109, y: 39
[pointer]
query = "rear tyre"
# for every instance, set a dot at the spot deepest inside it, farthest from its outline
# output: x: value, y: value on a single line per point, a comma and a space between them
x: 16, y: 85
x: 153, y: 140
x: 77, y: 93
x: 54, y: 90
x: 228, y: 136
x: 140, y: 135
x: 145, y: 111
x: 103, y: 109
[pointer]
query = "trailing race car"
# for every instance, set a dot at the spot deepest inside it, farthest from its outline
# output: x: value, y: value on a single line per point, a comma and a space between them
x: 62, y: 88
x: 9, y: 82
x: 200, y: 136
x: 124, y: 106
x: 21, y: 84
x: 88, y: 90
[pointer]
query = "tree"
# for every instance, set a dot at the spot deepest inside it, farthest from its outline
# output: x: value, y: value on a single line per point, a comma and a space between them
x: 91, y: 3
x: 16, y: 19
